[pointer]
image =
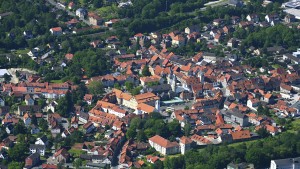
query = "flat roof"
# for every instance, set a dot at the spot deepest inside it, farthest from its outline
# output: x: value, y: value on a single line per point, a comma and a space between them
x: 175, y: 100
x: 292, y: 11
x: 3, y: 72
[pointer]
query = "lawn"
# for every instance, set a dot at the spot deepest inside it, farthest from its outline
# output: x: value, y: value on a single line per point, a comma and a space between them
x: 275, y: 66
x: 56, y: 81
x: 76, y: 153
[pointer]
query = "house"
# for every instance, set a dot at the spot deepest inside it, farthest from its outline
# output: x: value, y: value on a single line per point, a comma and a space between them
x: 253, y: 104
x: 28, y: 34
x: 9, y: 128
x: 51, y: 106
x: 289, y: 18
x: 218, y: 22
x: 132, y: 101
x: 23, y: 109
x: 178, y: 40
x: 185, y: 144
x: 163, y: 145
x: 88, y: 98
x: 232, y: 42
x: 32, y: 160
x: 3, y: 154
x: 28, y: 100
x: 240, y: 166
x: 94, y: 19
x: 56, y: 31
x: 71, y: 5
x: 269, y: 98
x: 235, y: 20
x: 27, y: 119
x: 253, y: 18
x: 61, y: 156
x: 88, y: 127
x: 285, y: 88
x: 290, y: 57
x: 191, y: 29
x: 49, y: 166
x: 241, y: 135
x: 81, y: 12
x: 35, y: 148
x: 272, y: 17
x: 150, y: 79
x: 118, y: 125
x: 34, y: 129
x: 42, y: 140
x: 235, y: 116
x: 235, y: 3
x: 2, y: 102
x: 200, y: 140
x: 287, y: 163
x: 4, y: 110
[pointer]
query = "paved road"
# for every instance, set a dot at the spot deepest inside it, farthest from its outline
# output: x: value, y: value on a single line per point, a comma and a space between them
x: 52, y: 2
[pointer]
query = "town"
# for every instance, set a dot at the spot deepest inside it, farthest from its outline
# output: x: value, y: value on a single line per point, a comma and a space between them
x: 88, y: 89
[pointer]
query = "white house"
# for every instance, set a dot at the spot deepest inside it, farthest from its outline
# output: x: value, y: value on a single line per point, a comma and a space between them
x: 163, y: 145
x: 35, y: 148
x: 185, y: 144
x: 42, y: 141
x: 288, y: 163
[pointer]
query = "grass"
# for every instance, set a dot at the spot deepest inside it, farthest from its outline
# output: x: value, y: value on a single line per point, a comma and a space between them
x: 56, y: 81
x: 275, y: 66
x: 22, y: 52
x: 76, y: 153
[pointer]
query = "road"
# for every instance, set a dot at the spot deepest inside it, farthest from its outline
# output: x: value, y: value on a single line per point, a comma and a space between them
x: 52, y: 2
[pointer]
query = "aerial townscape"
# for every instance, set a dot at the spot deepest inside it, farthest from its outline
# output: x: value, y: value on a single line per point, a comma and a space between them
x: 153, y: 84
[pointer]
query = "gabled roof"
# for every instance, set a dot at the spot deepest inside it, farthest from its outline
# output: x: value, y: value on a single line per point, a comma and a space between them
x: 163, y: 142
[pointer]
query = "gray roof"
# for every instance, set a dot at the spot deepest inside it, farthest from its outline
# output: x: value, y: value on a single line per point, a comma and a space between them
x: 37, y: 147
x: 282, y: 162
x: 234, y: 112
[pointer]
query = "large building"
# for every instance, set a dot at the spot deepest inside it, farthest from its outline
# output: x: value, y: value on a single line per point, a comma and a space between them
x: 288, y: 163
x: 163, y: 145
x: 134, y: 102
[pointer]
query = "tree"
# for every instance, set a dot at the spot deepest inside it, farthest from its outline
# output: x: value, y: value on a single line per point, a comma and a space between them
x: 7, y: 77
x: 96, y: 88
x: 145, y: 71
x: 43, y: 124
x: 174, y: 128
x: 117, y: 86
x: 41, y: 102
x: 18, y: 152
x: 262, y: 132
x: 186, y: 108
x: 130, y: 133
x: 128, y: 85
x: 34, y: 120
x: 77, y: 163
x: 65, y: 105
x: 260, y: 109
x: 15, y: 165
x: 136, y: 90
x: 141, y: 136
x: 19, y: 129
x: 187, y: 129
